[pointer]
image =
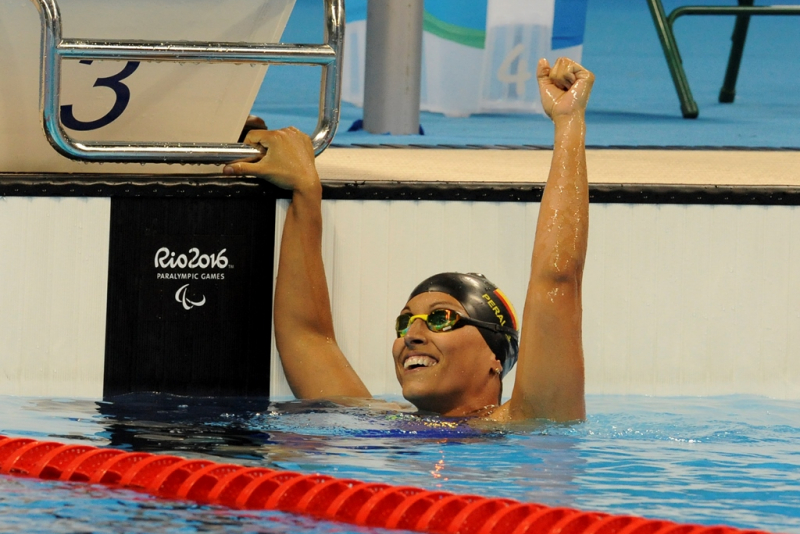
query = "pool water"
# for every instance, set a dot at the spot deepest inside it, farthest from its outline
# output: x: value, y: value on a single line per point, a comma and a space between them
x: 721, y: 460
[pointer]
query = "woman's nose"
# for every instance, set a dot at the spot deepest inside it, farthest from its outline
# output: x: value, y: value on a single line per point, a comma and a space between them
x: 416, y: 333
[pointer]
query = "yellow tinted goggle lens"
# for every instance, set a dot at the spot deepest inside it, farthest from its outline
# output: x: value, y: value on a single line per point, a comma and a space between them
x: 437, y: 321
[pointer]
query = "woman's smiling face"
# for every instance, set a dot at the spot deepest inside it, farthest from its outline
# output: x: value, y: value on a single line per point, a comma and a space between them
x: 451, y: 373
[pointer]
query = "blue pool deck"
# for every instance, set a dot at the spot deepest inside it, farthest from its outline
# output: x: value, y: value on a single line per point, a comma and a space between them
x: 633, y: 104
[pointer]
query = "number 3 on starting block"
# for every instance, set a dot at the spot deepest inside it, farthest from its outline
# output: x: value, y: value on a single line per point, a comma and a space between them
x: 122, y: 94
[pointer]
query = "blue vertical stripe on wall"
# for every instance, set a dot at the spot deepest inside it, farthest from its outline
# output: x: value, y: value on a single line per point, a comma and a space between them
x: 355, y: 10
x: 569, y: 22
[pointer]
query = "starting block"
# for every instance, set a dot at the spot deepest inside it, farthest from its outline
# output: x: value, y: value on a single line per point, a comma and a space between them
x: 103, y: 81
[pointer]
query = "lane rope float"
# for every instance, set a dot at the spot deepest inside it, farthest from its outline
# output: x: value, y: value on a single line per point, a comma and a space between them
x: 345, y: 500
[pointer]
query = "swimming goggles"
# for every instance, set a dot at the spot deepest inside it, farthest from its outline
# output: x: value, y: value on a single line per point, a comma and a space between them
x: 443, y: 320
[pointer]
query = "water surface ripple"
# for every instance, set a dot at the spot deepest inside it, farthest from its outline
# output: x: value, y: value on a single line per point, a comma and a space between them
x: 721, y: 460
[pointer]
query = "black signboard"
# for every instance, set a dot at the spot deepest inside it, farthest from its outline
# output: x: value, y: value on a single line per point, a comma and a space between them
x: 190, y: 296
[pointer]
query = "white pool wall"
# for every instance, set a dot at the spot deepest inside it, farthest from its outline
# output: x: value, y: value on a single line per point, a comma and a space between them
x: 53, y: 287
x: 678, y: 299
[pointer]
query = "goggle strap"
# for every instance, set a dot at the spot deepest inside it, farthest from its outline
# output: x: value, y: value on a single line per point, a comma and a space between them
x: 490, y: 326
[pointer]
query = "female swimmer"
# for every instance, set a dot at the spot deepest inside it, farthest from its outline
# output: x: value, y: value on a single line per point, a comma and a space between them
x: 457, y: 334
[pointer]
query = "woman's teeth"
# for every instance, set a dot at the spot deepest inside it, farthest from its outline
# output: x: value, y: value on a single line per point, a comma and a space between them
x: 419, y: 361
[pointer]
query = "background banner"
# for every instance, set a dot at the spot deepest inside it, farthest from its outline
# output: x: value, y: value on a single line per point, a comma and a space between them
x: 478, y: 56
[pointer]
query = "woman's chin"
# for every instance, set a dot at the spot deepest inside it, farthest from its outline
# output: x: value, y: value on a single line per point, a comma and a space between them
x: 420, y: 397
x: 426, y: 399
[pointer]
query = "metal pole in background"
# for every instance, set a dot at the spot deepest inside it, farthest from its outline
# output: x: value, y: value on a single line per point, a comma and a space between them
x: 393, y: 66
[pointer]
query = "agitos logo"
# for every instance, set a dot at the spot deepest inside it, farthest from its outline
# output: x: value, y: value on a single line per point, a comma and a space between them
x: 180, y: 296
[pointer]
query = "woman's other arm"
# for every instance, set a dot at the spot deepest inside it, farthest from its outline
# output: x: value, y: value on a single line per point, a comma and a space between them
x: 314, y: 365
x: 550, y: 376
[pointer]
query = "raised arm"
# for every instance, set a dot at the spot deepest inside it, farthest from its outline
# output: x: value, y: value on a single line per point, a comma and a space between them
x: 312, y: 361
x: 550, y: 379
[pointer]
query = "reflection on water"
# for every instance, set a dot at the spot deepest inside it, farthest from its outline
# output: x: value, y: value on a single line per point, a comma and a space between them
x: 727, y: 459
x: 360, y: 443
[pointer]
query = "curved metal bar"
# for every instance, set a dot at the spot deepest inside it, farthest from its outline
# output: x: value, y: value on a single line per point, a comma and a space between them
x: 50, y: 68
x: 54, y: 49
x: 670, y: 47
x: 664, y: 28
x: 331, y: 83
x: 732, y: 10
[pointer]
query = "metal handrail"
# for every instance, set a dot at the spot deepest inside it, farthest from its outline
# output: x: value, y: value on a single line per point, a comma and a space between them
x: 731, y: 10
x: 55, y: 48
x: 664, y: 28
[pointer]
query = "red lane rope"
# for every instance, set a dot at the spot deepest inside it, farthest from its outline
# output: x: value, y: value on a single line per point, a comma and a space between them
x: 350, y: 501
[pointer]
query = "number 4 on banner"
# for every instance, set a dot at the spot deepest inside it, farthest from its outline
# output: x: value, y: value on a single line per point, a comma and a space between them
x: 522, y: 74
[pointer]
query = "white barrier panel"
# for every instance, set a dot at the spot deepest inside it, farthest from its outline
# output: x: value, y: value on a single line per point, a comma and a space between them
x: 53, y: 274
x: 130, y: 101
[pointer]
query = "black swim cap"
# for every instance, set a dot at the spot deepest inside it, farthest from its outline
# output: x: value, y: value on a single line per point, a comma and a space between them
x: 484, y: 302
